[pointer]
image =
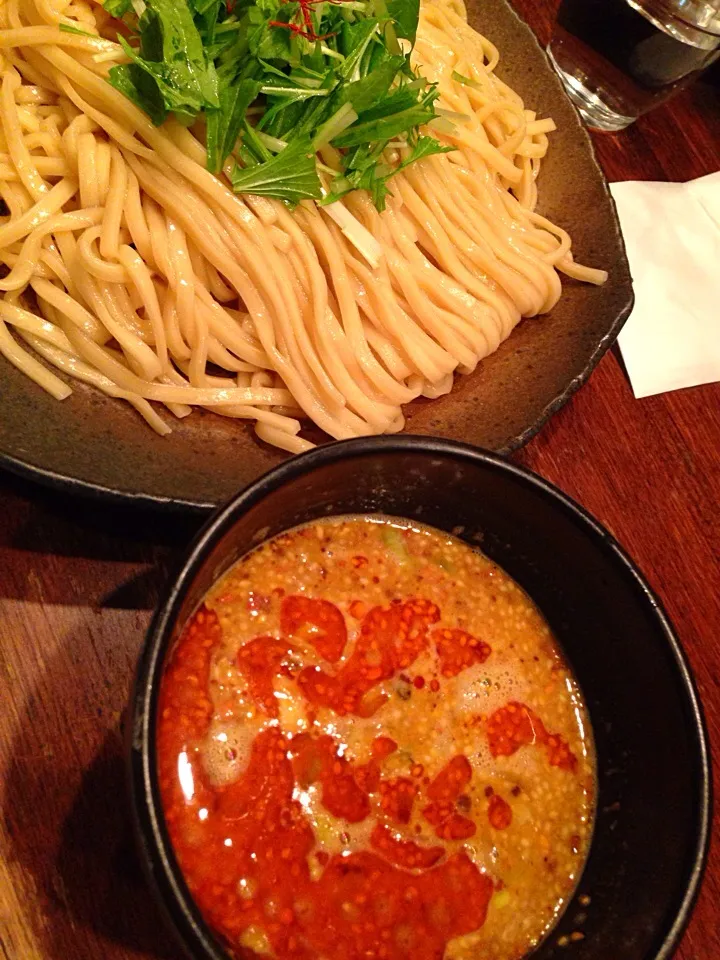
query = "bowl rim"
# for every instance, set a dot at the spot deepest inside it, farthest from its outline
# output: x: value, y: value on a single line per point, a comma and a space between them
x: 158, y: 861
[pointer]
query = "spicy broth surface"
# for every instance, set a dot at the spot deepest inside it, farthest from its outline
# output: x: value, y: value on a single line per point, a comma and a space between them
x: 369, y: 745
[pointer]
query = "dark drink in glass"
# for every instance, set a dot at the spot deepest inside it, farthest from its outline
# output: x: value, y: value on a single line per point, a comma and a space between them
x: 620, y: 58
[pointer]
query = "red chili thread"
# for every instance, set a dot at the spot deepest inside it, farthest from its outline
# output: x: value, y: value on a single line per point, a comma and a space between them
x: 306, y: 29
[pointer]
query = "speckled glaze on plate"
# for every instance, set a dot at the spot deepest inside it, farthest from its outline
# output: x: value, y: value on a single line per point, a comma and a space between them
x: 93, y: 444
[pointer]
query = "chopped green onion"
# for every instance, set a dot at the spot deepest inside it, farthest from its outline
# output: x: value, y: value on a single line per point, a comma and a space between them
x: 395, y: 542
x: 447, y: 565
x: 467, y: 81
x: 68, y: 28
x: 501, y: 899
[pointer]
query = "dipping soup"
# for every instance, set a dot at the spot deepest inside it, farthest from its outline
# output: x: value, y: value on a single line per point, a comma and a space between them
x: 370, y: 745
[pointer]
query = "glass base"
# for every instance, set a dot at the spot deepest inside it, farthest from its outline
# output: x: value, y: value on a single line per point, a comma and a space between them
x: 595, y: 113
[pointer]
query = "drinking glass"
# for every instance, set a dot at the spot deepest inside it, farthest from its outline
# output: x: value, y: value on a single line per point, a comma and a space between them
x: 620, y: 58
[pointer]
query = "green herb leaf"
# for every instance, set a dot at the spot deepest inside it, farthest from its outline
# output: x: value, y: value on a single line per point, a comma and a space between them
x: 425, y: 147
x: 385, y: 128
x: 362, y: 94
x: 355, y: 40
x: 263, y: 76
x: 253, y: 143
x: 223, y: 125
x: 282, y: 117
x: 367, y: 174
x: 400, y: 100
x: 117, y: 8
x: 406, y: 14
x: 291, y: 175
x: 206, y: 6
x: 171, y: 52
x: 139, y: 87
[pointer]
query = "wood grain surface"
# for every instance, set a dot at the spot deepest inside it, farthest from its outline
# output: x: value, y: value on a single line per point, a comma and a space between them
x: 78, y: 582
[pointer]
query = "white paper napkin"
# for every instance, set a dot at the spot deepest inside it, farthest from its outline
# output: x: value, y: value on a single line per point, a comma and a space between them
x: 672, y: 234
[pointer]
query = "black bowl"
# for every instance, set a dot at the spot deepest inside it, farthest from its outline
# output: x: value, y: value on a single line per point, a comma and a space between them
x: 652, y: 826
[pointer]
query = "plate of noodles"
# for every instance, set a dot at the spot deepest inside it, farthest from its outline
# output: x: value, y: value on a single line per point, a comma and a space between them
x: 231, y: 231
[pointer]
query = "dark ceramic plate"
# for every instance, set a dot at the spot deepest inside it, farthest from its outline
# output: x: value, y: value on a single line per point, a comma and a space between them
x: 92, y: 443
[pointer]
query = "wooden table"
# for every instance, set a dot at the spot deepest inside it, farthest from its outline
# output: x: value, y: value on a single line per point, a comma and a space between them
x: 78, y: 582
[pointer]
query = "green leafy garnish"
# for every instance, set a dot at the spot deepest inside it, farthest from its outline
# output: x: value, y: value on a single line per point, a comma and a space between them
x: 222, y: 126
x: 384, y: 128
x: 118, y: 8
x: 363, y: 93
x: 405, y: 14
x: 366, y: 173
x: 172, y: 54
x: 395, y: 543
x: 291, y: 175
x: 139, y: 87
x: 277, y: 80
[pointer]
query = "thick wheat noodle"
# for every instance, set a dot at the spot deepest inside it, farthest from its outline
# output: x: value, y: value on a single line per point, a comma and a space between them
x: 25, y: 265
x: 334, y: 348
x: 211, y: 244
x: 132, y: 269
x: 13, y: 352
x: 332, y: 254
